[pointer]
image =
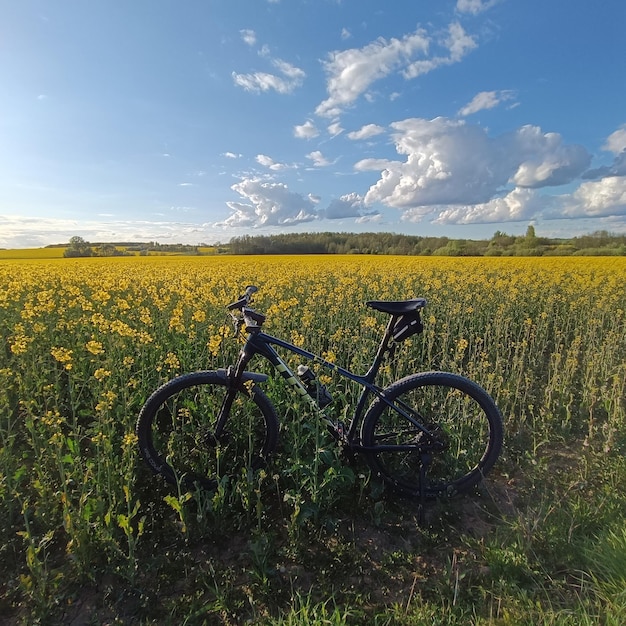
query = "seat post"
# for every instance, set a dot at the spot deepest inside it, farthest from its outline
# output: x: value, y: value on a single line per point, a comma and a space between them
x: 370, y: 376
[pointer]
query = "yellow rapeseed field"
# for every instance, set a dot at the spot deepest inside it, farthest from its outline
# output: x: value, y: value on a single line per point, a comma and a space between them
x: 85, y: 341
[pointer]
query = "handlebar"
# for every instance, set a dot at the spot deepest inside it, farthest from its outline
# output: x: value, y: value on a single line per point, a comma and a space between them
x: 248, y: 317
x: 243, y: 300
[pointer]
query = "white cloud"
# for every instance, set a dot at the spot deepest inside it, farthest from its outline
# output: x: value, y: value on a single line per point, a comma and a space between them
x: 231, y: 155
x: 366, y: 165
x: 249, y: 36
x: 291, y: 71
x: 486, y: 100
x: 351, y: 72
x: 450, y: 162
x: 373, y: 217
x: 457, y: 43
x: 18, y: 231
x: 601, y: 198
x: 455, y: 173
x: 474, y: 6
x: 367, y: 131
x: 319, y: 160
x: 275, y: 166
x: 268, y: 204
x: 335, y: 129
x: 447, y: 162
x: 257, y: 82
x: 345, y: 34
x: 308, y: 130
x: 545, y: 160
x: 518, y: 205
x: 616, y: 142
x: 350, y: 206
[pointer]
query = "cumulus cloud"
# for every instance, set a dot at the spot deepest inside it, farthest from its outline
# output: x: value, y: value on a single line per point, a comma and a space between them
x: 308, y: 130
x: 545, y: 160
x: 601, y: 198
x: 451, y: 162
x: 350, y: 206
x: 455, y: 173
x: 486, y: 100
x: 275, y: 166
x: 616, y: 142
x: 268, y: 204
x: 457, y: 44
x: 319, y: 160
x: 367, y: 131
x: 351, y: 72
x: 518, y: 205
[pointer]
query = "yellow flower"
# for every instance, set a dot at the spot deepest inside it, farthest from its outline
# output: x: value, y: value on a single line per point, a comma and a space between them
x: 20, y: 344
x: 171, y: 360
x: 214, y: 344
x: 129, y: 440
x: 462, y: 344
x: 63, y: 356
x: 95, y: 347
x: 100, y: 374
x: 108, y: 398
x: 198, y: 316
x: 330, y: 356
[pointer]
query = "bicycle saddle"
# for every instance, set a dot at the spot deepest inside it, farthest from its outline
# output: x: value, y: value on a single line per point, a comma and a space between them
x: 399, y: 307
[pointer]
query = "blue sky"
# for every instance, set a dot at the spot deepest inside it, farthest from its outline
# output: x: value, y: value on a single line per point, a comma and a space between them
x: 197, y: 120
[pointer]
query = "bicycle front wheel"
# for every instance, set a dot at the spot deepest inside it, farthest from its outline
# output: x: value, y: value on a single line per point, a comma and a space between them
x: 450, y: 433
x: 176, y: 430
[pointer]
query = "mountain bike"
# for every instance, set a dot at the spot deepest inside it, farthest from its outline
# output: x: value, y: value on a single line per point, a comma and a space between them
x: 428, y: 435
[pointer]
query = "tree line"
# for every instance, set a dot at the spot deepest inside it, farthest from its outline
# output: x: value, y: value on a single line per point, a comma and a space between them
x: 501, y: 244
x: 78, y: 247
x: 599, y: 243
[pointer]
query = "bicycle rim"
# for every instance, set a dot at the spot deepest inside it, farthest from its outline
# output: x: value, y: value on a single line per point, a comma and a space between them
x: 177, y: 437
x: 466, y: 429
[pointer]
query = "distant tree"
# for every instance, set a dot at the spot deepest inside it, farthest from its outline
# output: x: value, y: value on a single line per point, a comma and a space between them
x: 78, y: 247
x: 107, y: 249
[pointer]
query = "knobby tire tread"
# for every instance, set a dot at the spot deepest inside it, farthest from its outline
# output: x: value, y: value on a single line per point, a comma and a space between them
x: 144, y: 426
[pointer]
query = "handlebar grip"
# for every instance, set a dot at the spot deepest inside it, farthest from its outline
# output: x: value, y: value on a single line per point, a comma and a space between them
x: 243, y: 300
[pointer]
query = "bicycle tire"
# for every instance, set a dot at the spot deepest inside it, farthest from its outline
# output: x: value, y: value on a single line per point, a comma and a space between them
x: 458, y: 410
x: 175, y: 438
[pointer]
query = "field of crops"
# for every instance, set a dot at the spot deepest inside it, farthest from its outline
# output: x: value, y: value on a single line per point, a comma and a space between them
x: 89, y: 535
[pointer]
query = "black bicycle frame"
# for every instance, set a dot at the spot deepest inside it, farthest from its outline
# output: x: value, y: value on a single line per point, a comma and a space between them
x: 262, y: 344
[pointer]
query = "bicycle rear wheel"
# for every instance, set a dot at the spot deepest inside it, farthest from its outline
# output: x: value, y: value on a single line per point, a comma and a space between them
x: 464, y: 441
x: 176, y: 436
